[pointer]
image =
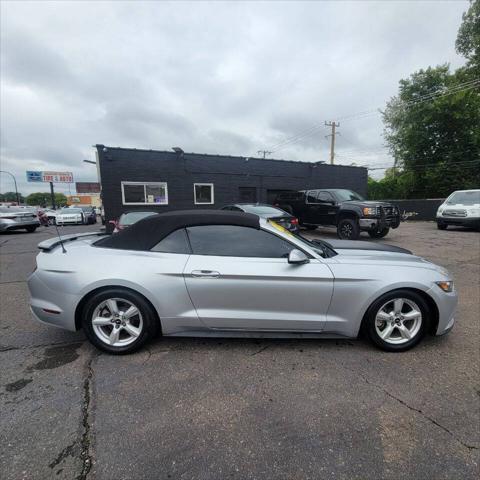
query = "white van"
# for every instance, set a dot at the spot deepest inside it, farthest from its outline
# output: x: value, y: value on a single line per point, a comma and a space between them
x: 460, y: 208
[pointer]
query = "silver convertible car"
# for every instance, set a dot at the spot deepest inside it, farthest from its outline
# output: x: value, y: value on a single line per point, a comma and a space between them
x: 220, y: 273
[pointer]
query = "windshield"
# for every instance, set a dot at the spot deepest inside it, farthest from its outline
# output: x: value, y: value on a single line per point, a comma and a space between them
x: 262, y: 210
x: 133, y: 217
x: 345, y: 195
x: 464, y: 198
x: 70, y: 210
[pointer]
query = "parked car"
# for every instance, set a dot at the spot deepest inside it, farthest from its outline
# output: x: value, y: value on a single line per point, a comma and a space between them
x: 266, y: 211
x: 16, y: 218
x: 127, y: 219
x: 461, y: 208
x: 344, y: 209
x: 69, y: 215
x: 220, y: 273
x: 89, y: 215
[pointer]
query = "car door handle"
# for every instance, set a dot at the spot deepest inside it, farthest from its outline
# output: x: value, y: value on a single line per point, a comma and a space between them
x: 205, y: 273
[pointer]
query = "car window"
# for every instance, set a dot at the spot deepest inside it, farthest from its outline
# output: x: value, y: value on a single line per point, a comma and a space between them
x: 132, y: 217
x: 464, y: 198
x: 312, y: 196
x: 176, y: 242
x: 325, y: 197
x: 236, y: 241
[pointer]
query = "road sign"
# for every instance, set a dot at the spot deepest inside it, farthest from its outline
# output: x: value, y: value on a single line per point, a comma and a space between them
x: 34, y: 176
x: 57, y: 177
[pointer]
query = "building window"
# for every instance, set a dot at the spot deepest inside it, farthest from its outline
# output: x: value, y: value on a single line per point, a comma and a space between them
x: 203, y: 193
x: 142, y: 193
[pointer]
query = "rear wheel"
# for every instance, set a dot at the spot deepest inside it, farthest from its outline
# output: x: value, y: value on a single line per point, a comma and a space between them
x: 441, y: 226
x: 379, y: 233
x: 348, y: 229
x: 119, y: 321
x: 397, y: 321
x: 31, y: 229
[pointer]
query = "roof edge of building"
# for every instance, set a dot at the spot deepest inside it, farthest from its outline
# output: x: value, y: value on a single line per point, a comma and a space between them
x: 322, y: 164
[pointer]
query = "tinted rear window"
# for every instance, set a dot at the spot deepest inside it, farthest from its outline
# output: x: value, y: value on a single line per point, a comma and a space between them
x: 133, y: 217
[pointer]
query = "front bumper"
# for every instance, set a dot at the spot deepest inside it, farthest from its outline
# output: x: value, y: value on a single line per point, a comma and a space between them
x: 472, y: 222
x: 447, y: 307
x: 61, y: 221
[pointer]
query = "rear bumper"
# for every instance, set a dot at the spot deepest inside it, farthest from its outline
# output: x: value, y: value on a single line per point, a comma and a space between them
x: 18, y: 226
x: 50, y: 307
x: 473, y: 222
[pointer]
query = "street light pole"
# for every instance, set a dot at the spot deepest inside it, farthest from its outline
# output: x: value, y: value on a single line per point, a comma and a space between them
x: 15, y: 182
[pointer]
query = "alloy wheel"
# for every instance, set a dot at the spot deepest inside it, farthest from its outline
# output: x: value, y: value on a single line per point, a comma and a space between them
x: 398, y: 321
x: 117, y: 322
x: 347, y: 230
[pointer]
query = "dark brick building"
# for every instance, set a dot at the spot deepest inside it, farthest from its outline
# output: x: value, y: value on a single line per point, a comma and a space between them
x: 134, y: 179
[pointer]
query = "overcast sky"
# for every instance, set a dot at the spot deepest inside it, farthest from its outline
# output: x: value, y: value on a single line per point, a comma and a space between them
x: 210, y: 77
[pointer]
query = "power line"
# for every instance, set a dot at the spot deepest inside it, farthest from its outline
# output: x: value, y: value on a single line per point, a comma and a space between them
x: 464, y: 86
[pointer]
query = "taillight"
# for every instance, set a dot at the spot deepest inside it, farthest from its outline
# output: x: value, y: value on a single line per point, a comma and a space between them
x: 294, y: 221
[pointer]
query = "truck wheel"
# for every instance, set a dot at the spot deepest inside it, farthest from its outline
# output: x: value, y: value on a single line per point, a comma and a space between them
x: 379, y: 233
x: 348, y: 229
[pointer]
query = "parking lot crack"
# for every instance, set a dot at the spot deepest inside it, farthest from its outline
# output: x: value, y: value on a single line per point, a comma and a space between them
x: 260, y: 350
x: 413, y: 409
x: 85, y: 441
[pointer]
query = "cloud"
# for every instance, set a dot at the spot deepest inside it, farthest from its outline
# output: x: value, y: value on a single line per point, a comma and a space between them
x: 213, y: 77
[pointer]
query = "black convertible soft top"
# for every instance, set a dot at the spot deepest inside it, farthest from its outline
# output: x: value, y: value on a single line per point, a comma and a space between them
x: 146, y: 233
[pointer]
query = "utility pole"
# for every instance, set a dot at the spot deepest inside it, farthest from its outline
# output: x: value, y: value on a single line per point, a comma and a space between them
x: 52, y: 195
x: 264, y: 152
x: 332, y: 141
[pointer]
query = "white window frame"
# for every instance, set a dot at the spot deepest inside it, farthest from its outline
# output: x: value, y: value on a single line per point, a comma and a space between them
x: 204, y: 185
x: 164, y: 184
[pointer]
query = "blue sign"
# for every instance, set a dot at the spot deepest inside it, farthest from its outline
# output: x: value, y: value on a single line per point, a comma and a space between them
x: 34, y: 176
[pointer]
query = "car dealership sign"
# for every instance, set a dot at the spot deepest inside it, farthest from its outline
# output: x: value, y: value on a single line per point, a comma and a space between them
x: 57, y: 177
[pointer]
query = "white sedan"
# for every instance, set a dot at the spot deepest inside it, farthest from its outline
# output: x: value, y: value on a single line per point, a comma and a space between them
x: 71, y: 216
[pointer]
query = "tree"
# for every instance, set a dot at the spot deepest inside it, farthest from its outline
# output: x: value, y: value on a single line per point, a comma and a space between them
x: 432, y: 125
x: 11, y: 197
x: 44, y: 198
x: 468, y: 38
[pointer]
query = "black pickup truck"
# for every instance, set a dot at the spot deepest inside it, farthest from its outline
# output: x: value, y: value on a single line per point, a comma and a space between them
x: 345, y: 209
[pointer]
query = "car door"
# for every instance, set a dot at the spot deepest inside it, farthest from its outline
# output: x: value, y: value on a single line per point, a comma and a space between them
x: 239, y: 278
x: 327, y: 209
x: 312, y: 208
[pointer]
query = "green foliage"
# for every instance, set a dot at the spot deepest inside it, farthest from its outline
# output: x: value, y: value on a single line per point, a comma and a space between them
x: 44, y: 199
x: 435, y: 140
x: 468, y: 38
x: 11, y: 197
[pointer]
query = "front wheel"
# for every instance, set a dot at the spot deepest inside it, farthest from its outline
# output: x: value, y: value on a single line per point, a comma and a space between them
x: 397, y: 321
x: 119, y: 321
x: 31, y: 229
x: 379, y: 233
x: 348, y: 229
x: 441, y: 226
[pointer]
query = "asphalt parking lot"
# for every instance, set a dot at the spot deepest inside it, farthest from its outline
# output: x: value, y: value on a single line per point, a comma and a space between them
x: 222, y: 408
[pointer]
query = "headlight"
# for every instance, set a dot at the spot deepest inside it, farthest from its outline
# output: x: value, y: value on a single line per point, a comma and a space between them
x: 439, y: 211
x: 446, y: 286
x: 369, y: 211
x: 473, y: 212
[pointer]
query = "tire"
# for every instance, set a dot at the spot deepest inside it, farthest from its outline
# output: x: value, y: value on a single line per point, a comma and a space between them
x: 348, y: 229
x: 378, y: 320
x: 441, y: 226
x: 31, y: 229
x: 379, y: 233
x: 144, y: 323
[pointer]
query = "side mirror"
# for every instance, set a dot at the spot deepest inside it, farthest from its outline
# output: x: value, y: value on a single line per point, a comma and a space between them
x: 297, y: 257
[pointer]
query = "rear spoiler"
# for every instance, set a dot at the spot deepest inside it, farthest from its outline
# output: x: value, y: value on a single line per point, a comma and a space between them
x: 51, y: 243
